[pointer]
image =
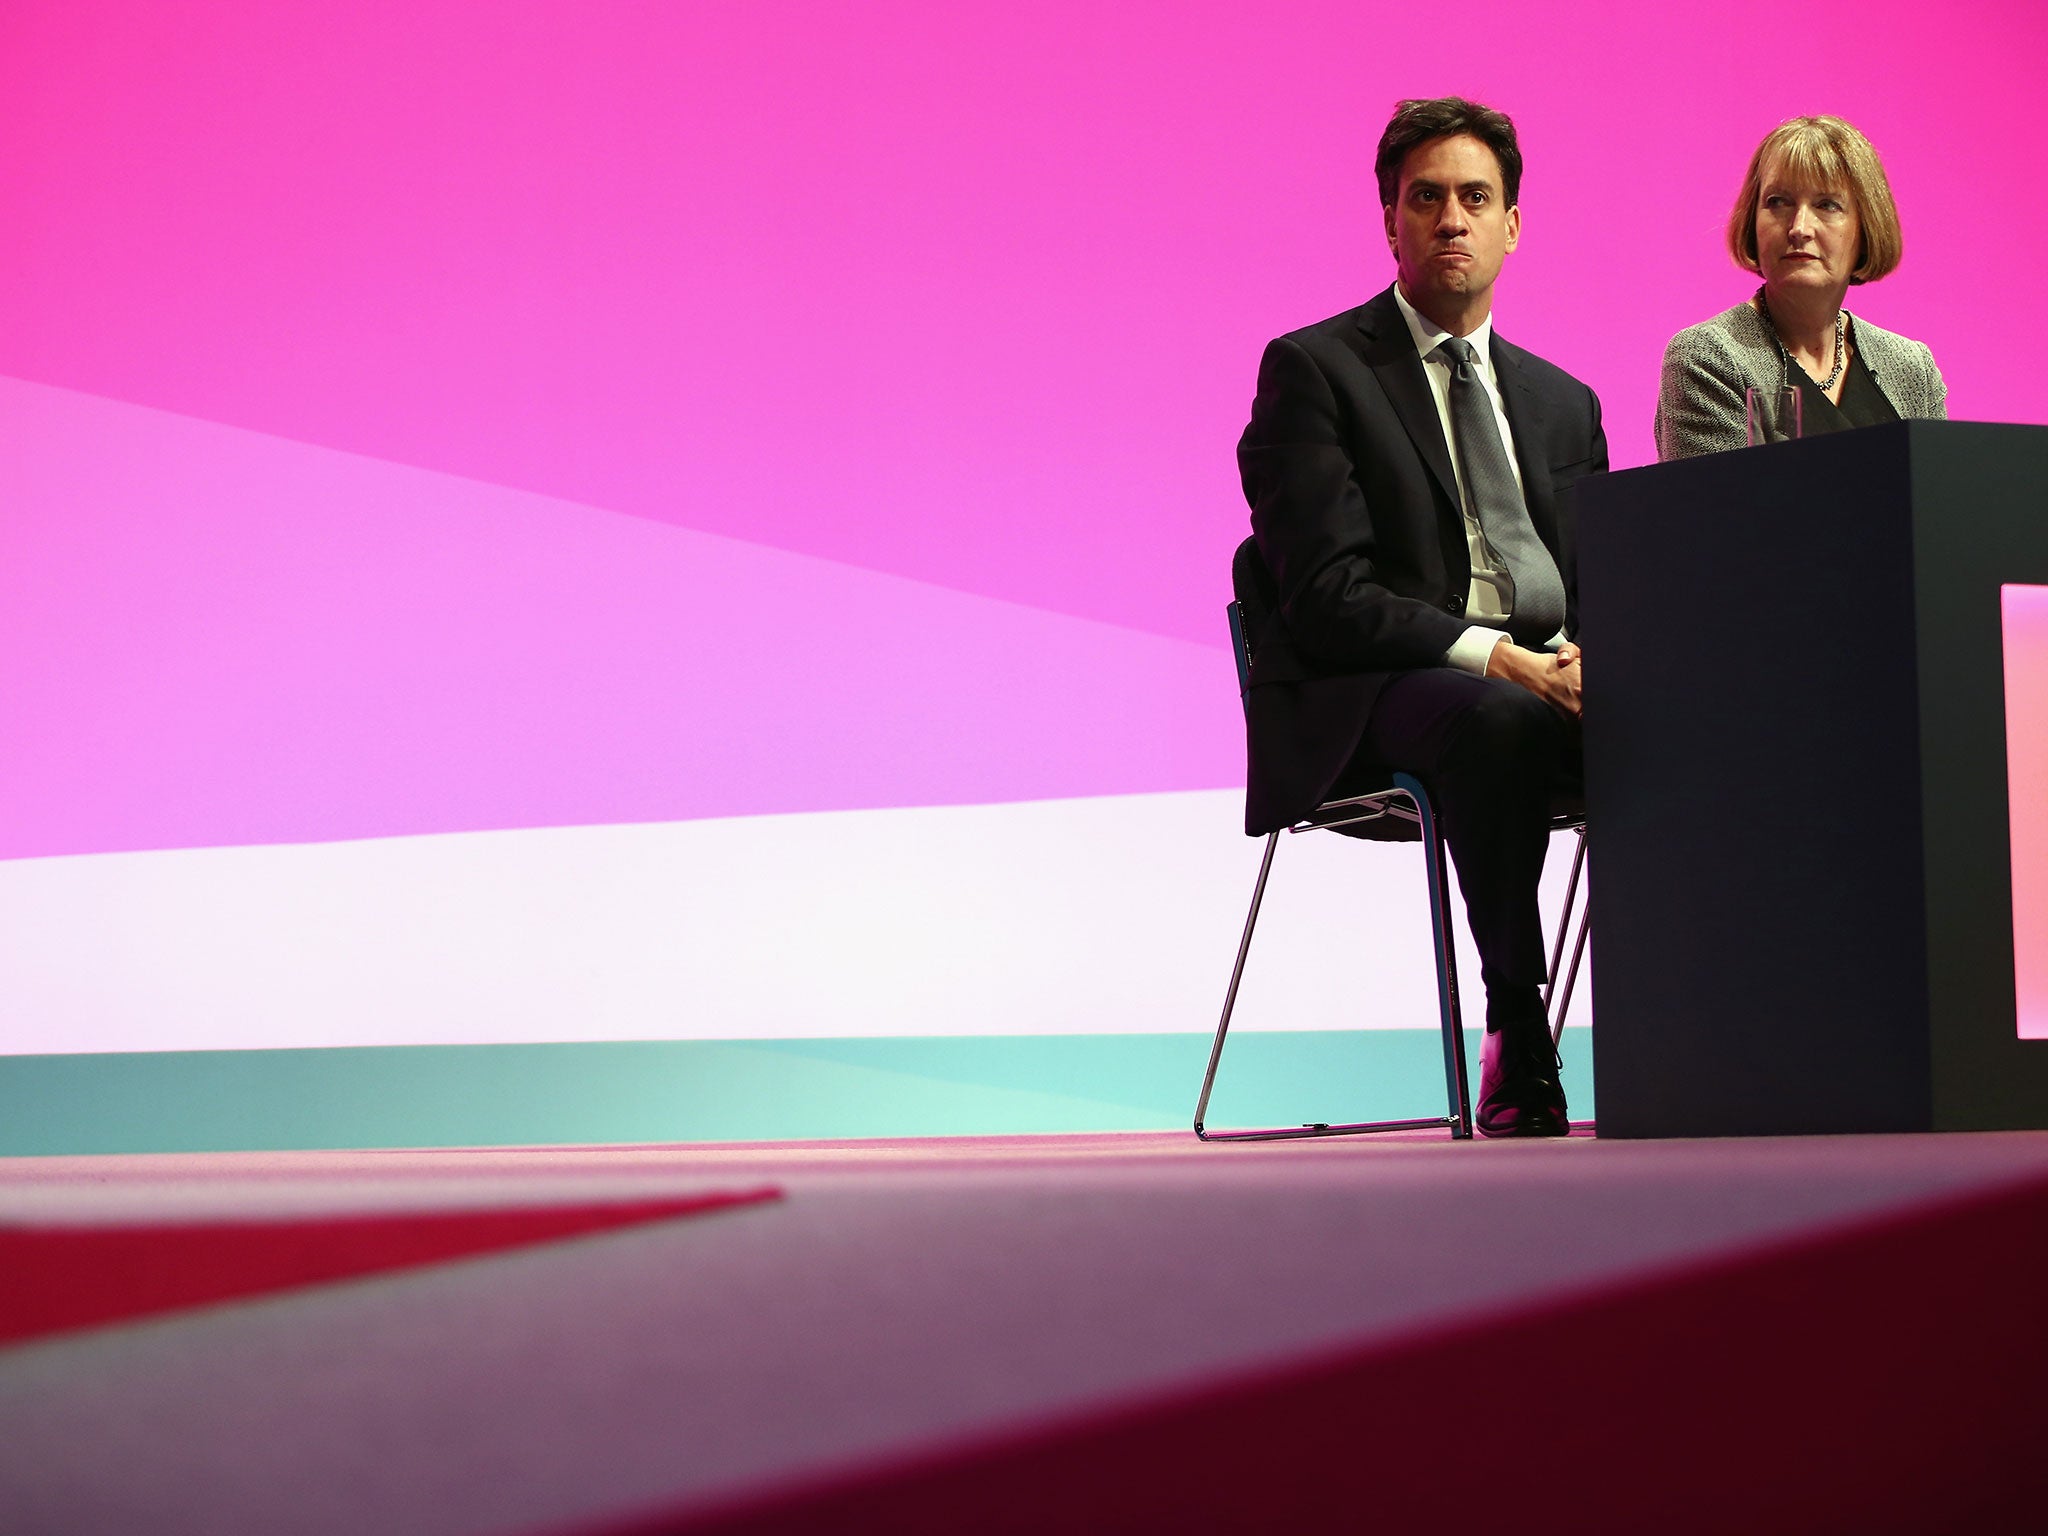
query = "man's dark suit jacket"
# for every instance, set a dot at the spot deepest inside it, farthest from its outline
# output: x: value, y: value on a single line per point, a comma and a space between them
x: 1355, y: 509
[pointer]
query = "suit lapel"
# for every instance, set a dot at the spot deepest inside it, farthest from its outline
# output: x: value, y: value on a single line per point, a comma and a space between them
x: 1389, y: 350
x: 1529, y: 417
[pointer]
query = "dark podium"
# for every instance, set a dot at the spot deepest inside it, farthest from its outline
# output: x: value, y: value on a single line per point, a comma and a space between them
x: 1796, y: 784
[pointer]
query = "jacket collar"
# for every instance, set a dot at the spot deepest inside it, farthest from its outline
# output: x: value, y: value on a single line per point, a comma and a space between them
x: 1529, y: 416
x: 1389, y: 350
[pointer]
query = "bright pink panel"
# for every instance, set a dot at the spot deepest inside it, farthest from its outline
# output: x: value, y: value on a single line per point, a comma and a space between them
x: 2026, y: 777
x: 968, y: 293
x: 209, y: 636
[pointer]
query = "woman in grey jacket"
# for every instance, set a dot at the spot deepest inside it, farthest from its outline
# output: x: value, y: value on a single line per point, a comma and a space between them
x: 1814, y: 217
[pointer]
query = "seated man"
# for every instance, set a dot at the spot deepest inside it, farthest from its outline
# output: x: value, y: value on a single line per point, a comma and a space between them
x: 1403, y: 465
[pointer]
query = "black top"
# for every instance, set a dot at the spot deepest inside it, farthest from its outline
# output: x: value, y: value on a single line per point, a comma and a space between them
x: 1863, y: 403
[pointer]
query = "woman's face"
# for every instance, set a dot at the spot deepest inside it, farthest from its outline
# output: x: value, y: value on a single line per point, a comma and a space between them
x: 1808, y: 238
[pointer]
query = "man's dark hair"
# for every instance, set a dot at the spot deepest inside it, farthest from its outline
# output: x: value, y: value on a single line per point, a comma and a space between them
x: 1417, y: 122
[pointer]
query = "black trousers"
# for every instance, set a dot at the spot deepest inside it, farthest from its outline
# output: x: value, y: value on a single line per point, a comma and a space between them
x: 1496, y: 760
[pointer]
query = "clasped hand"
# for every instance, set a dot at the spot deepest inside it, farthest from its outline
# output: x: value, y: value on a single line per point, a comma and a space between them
x: 1552, y: 676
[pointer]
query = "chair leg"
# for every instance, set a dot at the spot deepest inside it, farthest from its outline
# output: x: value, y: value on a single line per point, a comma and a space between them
x: 1564, y: 923
x: 1564, y: 920
x: 1571, y: 976
x: 1244, y: 945
x: 1319, y: 1128
x: 1457, y: 1087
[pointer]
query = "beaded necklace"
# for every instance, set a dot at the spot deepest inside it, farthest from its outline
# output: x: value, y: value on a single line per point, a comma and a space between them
x: 1841, y: 341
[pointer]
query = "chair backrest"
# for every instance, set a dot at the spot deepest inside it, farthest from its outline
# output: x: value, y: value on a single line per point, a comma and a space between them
x: 1241, y: 651
x: 1250, y: 608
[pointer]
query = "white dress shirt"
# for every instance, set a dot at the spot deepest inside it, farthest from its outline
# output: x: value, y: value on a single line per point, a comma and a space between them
x: 1471, y: 651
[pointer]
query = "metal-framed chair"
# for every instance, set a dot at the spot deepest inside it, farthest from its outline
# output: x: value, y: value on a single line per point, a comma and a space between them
x: 1380, y: 797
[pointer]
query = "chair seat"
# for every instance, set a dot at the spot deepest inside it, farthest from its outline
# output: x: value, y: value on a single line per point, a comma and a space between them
x: 1364, y: 777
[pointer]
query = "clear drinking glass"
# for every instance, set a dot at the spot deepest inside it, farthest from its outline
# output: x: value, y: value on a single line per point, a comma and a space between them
x: 1774, y: 414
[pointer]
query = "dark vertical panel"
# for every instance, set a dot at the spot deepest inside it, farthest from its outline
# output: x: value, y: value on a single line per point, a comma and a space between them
x: 1754, y: 785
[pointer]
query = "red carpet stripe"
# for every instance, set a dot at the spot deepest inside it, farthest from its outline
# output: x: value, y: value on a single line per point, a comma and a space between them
x: 1884, y: 1380
x: 57, y: 1278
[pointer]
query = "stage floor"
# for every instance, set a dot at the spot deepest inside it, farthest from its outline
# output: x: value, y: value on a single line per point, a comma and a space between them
x: 901, y: 1299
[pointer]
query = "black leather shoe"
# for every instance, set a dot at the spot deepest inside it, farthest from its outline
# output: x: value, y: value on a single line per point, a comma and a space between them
x: 1519, y: 1090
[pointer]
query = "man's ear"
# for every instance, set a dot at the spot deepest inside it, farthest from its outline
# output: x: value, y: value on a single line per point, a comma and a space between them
x: 1514, y: 226
x: 1387, y: 216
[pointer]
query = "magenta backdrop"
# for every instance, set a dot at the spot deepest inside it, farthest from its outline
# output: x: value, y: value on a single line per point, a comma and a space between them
x: 966, y: 295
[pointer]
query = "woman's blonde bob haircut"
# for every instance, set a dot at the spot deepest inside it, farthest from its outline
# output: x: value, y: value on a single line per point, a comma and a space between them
x: 1823, y: 152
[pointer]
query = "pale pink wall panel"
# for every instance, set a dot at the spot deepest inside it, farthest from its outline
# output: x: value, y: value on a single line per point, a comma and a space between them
x: 2026, y: 748
x: 209, y: 636
x: 971, y: 294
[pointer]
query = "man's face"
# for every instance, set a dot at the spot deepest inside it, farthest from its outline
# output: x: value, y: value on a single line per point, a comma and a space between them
x: 1450, y: 227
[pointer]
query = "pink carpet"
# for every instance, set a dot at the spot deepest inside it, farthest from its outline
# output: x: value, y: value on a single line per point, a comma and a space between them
x: 1100, y: 1333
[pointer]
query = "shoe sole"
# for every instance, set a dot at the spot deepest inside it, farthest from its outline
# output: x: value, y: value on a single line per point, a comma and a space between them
x: 1521, y: 1133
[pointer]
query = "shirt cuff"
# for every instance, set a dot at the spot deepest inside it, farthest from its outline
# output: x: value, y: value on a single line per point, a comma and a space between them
x: 1472, y: 650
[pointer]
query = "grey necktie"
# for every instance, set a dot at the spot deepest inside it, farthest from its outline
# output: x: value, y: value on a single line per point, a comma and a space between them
x: 1536, y: 606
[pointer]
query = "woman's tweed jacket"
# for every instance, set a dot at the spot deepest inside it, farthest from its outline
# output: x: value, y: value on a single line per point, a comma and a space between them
x: 1707, y: 367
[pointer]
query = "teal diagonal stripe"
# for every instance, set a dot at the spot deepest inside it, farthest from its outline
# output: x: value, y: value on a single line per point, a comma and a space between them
x: 668, y: 1091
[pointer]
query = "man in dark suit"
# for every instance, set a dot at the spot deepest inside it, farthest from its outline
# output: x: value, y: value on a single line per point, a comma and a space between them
x: 1403, y: 466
